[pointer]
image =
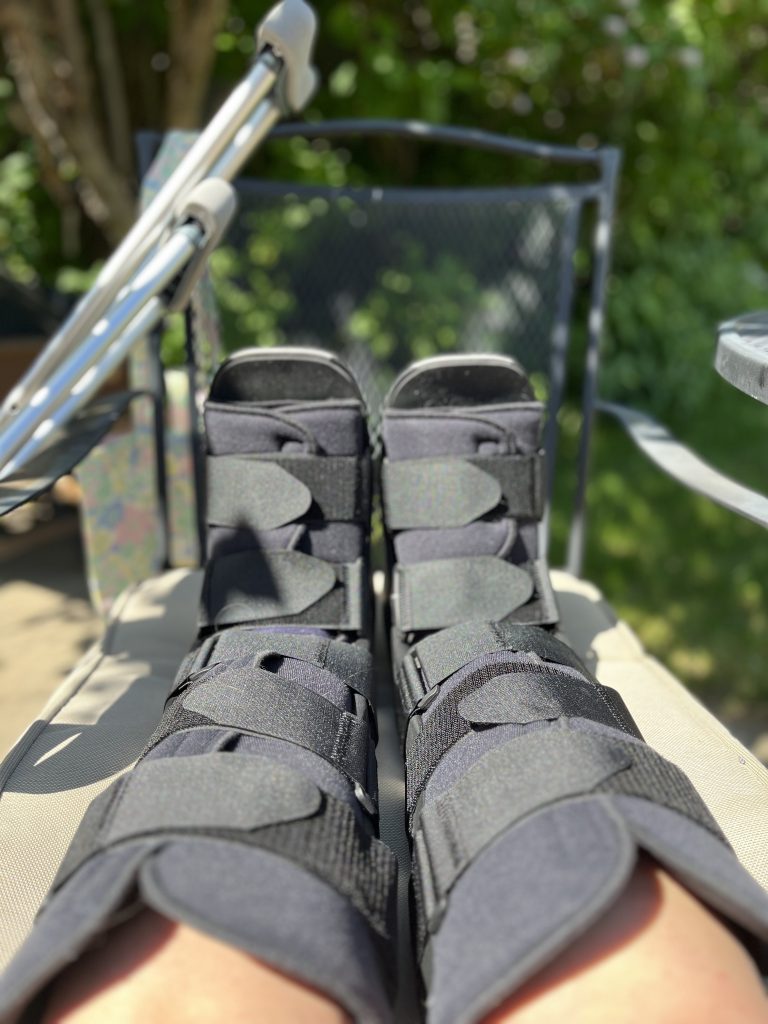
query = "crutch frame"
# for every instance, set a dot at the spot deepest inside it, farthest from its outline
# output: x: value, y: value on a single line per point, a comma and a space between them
x: 156, y: 265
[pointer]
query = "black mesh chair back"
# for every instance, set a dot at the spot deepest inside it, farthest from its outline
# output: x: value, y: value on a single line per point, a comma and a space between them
x: 385, y: 275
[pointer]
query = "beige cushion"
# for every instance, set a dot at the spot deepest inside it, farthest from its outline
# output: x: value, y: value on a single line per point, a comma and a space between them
x: 92, y: 729
x: 98, y: 721
x: 731, y: 781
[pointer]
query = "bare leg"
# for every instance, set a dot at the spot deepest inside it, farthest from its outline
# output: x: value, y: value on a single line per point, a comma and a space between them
x: 158, y: 972
x: 658, y: 956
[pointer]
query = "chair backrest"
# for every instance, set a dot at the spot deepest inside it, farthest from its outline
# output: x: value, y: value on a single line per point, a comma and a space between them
x: 387, y: 274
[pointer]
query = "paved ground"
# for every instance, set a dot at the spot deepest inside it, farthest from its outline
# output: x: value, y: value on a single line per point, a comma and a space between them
x: 47, y: 620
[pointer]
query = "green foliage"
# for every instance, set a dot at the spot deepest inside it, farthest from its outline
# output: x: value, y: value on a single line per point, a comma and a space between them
x: 680, y: 87
x: 19, y: 240
x: 417, y: 305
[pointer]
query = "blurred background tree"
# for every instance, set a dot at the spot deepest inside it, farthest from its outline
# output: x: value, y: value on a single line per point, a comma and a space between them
x: 680, y: 86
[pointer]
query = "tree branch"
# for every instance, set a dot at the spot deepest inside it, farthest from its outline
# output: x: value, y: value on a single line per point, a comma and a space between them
x: 63, y: 119
x: 113, y: 83
x: 192, y: 28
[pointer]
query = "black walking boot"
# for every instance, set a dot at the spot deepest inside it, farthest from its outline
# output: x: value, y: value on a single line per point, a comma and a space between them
x: 530, y: 792
x: 252, y: 813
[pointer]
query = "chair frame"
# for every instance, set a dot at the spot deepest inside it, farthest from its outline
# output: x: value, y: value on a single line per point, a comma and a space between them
x: 600, y: 193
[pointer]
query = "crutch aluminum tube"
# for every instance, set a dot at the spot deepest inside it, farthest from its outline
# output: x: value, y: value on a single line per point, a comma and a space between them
x: 281, y: 80
x: 162, y: 285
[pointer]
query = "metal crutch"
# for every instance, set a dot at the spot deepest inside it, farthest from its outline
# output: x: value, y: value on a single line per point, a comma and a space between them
x: 162, y: 285
x: 281, y: 79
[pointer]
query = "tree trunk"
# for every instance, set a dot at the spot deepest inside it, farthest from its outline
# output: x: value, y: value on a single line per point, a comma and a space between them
x: 72, y: 92
x: 49, y: 58
x: 192, y: 28
x: 115, y: 97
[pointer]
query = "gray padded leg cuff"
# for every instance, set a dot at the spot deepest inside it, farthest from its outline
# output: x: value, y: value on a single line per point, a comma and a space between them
x: 530, y: 794
x: 251, y: 816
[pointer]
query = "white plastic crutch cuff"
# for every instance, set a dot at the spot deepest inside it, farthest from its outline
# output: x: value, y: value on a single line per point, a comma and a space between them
x: 289, y: 30
x: 212, y: 205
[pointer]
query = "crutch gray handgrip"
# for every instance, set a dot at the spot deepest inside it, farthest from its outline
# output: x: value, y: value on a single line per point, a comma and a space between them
x: 281, y: 79
x: 162, y: 285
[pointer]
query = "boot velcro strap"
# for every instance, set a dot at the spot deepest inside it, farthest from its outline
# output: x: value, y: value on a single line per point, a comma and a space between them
x: 263, y: 492
x: 450, y: 492
x: 437, y: 657
x: 525, y: 775
x: 241, y: 696
x: 209, y: 791
x: 285, y: 587
x: 351, y: 663
x: 542, y: 609
x: 447, y: 591
x: 522, y: 694
x: 247, y: 799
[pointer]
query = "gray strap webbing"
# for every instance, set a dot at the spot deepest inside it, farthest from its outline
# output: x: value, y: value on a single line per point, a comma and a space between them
x: 349, y: 662
x: 529, y: 773
x: 432, y: 660
x: 264, y: 492
x: 253, y: 700
x: 210, y: 791
x: 323, y: 835
x: 546, y: 695
x: 451, y: 492
x: 340, y: 484
x: 520, y: 696
x: 252, y: 586
x: 447, y: 591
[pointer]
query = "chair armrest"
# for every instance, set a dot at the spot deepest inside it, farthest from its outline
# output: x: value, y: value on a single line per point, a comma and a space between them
x: 683, y: 465
x: 742, y: 354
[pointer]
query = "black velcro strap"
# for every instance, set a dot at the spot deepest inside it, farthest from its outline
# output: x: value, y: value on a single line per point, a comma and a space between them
x: 451, y: 492
x: 435, y: 493
x: 267, y: 491
x: 447, y: 591
x: 333, y: 846
x: 282, y: 586
x: 349, y: 662
x: 252, y: 493
x: 532, y: 772
x: 437, y: 657
x: 209, y: 791
x: 542, y: 609
x: 250, y: 699
x: 522, y: 481
x: 296, y: 821
x: 505, y: 693
x: 340, y: 484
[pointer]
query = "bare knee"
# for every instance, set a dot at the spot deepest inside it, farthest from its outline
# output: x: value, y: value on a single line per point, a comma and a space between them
x: 155, y: 970
x: 658, y: 955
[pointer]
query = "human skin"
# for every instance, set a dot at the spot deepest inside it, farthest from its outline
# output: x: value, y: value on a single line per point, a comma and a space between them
x: 158, y: 972
x: 657, y: 956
